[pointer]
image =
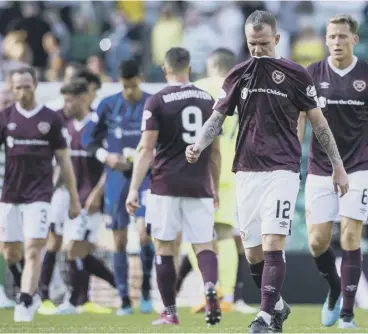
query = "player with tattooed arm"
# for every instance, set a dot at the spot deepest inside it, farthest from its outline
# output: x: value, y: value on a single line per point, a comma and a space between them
x: 269, y: 93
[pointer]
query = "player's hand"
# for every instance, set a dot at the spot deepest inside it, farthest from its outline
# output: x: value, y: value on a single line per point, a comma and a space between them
x: 75, y: 209
x: 192, y: 154
x: 118, y: 161
x: 340, y: 180
x: 132, y: 203
x: 93, y: 202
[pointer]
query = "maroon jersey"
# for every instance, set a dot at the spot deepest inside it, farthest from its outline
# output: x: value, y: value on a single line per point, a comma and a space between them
x: 30, y: 138
x: 269, y: 94
x: 87, y: 168
x: 343, y: 97
x: 178, y: 113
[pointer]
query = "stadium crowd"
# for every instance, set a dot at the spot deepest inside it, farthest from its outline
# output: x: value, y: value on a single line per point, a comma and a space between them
x: 99, y: 174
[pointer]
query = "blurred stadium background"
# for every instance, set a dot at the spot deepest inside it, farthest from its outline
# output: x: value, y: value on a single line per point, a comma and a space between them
x: 50, y: 34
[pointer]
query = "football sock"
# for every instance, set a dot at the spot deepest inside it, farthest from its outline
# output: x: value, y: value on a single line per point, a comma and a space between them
x: 184, y: 270
x: 326, y: 266
x: 240, y: 278
x: 351, y: 268
x: 75, y: 269
x: 16, y: 269
x: 84, y: 277
x: 47, y: 269
x: 166, y: 278
x: 272, y: 280
x: 193, y: 259
x: 147, y: 255
x: 25, y: 298
x: 2, y: 270
x: 208, y: 265
x: 96, y: 267
x: 256, y: 270
x: 228, y: 265
x: 121, y: 274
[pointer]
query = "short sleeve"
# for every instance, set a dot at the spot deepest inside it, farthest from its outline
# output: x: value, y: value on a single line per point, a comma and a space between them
x: 305, y: 92
x: 150, y: 114
x: 58, y: 135
x: 229, y: 94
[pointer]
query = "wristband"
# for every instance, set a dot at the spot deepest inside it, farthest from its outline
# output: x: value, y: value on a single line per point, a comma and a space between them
x: 101, y: 155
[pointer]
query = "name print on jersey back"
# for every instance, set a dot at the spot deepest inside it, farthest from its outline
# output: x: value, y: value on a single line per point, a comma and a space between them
x: 178, y: 112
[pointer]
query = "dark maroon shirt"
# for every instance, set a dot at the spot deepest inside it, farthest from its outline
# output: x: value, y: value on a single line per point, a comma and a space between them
x: 87, y: 168
x: 178, y: 113
x: 269, y: 94
x: 343, y: 97
x: 30, y: 139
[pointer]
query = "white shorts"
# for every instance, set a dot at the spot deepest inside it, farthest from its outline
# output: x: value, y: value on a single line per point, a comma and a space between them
x: 265, y: 204
x: 84, y: 227
x: 59, y: 210
x: 24, y: 221
x: 168, y: 215
x: 323, y: 205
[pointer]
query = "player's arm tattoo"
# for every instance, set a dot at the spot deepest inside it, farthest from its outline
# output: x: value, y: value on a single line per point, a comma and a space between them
x: 324, y: 135
x: 210, y: 130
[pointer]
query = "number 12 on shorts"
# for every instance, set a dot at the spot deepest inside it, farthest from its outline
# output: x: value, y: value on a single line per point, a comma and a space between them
x: 283, y: 209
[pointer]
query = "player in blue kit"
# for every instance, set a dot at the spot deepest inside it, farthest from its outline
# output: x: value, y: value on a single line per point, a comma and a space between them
x: 112, y: 135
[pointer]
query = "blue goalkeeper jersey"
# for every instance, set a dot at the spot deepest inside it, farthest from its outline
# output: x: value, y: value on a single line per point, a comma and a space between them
x: 115, y: 126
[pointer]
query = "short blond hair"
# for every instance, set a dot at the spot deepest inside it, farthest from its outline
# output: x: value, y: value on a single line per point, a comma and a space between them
x: 345, y: 19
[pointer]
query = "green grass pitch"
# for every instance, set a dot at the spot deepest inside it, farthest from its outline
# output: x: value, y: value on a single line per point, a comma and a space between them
x: 303, y: 319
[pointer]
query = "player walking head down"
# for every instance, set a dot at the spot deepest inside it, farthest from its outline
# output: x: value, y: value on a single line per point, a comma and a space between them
x: 261, y: 34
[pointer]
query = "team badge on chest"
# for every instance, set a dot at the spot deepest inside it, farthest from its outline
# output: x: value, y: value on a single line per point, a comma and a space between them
x: 359, y: 85
x: 278, y: 77
x: 44, y: 127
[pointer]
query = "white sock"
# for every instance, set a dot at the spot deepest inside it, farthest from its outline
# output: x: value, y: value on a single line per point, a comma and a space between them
x: 279, y: 305
x: 266, y: 317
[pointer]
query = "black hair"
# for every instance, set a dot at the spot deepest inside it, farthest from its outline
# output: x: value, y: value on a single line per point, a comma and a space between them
x: 129, y: 69
x: 88, y: 76
x: 76, y: 86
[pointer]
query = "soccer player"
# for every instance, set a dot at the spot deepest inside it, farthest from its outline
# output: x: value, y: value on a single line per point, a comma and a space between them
x: 219, y: 63
x: 181, y: 195
x: 33, y: 135
x: 116, y: 124
x: 269, y: 93
x: 6, y: 99
x: 59, y: 210
x: 341, y: 83
x: 80, y: 234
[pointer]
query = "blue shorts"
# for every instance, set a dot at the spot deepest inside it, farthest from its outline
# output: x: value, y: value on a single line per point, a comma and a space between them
x: 116, y: 192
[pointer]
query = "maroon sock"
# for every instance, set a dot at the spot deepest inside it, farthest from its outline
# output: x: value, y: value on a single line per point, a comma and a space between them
x: 256, y: 270
x: 207, y: 263
x: 96, y: 267
x: 272, y: 280
x: 351, y: 268
x: 17, y: 269
x: 84, y: 277
x: 166, y: 278
x: 240, y: 278
x: 75, y: 269
x: 47, y: 269
x: 184, y: 270
x: 327, y: 267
